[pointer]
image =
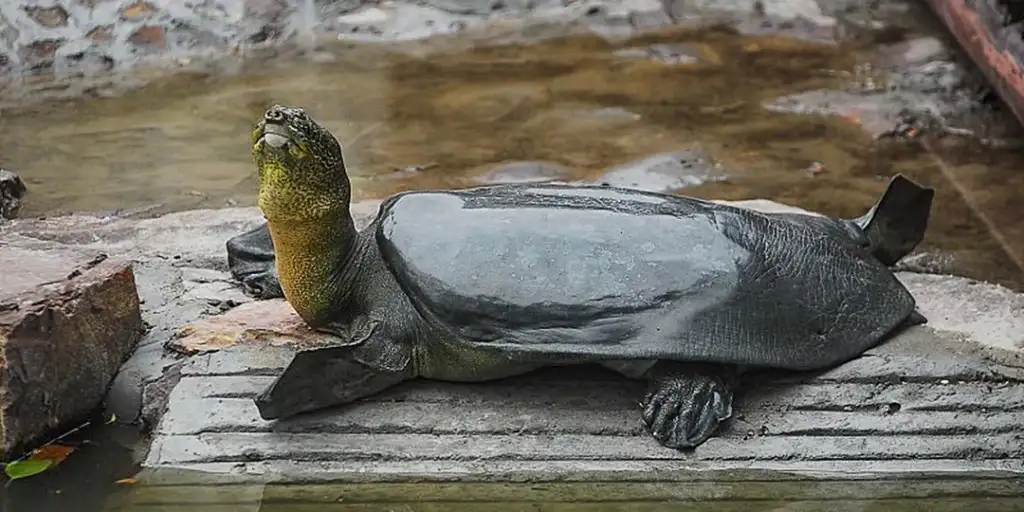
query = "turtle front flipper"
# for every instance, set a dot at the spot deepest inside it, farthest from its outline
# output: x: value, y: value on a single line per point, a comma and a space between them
x: 686, y: 402
x: 251, y: 260
x: 367, y: 361
x: 325, y: 377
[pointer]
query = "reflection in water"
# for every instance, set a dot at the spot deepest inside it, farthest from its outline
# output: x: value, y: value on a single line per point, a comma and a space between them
x: 706, y: 493
x: 82, y: 482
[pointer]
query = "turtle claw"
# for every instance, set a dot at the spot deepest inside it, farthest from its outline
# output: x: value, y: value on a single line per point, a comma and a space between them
x: 685, y: 404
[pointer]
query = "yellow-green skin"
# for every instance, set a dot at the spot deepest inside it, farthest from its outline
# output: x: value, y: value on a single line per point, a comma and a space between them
x: 306, y: 207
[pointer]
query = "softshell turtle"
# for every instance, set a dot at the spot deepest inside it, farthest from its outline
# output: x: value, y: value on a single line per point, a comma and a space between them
x: 490, y: 282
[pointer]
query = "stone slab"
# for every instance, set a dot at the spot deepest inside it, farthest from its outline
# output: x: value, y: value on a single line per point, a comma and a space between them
x: 930, y: 400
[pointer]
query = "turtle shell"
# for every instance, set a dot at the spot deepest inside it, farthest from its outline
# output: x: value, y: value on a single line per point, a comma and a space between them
x: 597, y: 273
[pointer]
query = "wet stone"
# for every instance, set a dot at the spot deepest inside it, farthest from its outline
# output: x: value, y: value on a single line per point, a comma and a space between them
x: 62, y: 343
x: 523, y: 172
x: 668, y: 53
x: 12, y: 189
x: 8, y: 32
x: 911, y: 52
x: 261, y: 322
x: 187, y: 36
x: 666, y: 172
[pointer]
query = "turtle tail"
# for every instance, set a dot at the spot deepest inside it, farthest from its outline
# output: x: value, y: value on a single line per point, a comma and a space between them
x: 897, y: 222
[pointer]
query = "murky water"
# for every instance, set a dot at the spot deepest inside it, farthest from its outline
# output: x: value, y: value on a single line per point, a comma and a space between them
x: 733, y: 495
x: 579, y: 104
x: 98, y: 477
x: 101, y: 476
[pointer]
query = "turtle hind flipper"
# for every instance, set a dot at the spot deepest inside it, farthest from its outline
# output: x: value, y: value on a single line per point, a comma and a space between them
x: 686, y: 402
x: 897, y: 222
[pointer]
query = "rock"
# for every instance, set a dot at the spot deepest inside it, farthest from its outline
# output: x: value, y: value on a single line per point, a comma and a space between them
x: 680, y: 53
x: 666, y: 172
x: 912, y: 52
x: 263, y: 322
x: 33, y: 266
x: 12, y: 189
x: 61, y: 344
x: 523, y: 172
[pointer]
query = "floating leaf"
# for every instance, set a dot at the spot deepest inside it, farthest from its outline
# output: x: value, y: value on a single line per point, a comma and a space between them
x: 113, y: 418
x: 26, y: 468
x: 53, y: 452
x: 126, y: 481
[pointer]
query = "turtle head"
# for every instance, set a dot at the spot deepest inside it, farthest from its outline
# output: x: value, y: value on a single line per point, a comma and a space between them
x: 301, y: 169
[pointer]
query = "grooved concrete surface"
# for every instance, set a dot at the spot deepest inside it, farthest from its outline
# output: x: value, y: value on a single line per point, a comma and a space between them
x: 927, y: 401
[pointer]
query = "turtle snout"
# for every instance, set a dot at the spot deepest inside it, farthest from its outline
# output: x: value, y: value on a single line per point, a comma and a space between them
x: 274, y: 115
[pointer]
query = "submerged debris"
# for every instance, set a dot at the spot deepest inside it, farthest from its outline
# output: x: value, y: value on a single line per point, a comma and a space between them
x: 12, y: 189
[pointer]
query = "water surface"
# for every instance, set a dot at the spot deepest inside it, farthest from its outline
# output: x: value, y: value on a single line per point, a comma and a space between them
x: 577, y: 104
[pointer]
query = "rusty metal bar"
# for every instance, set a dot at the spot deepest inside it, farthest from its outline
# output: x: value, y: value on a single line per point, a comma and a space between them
x: 991, y: 31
